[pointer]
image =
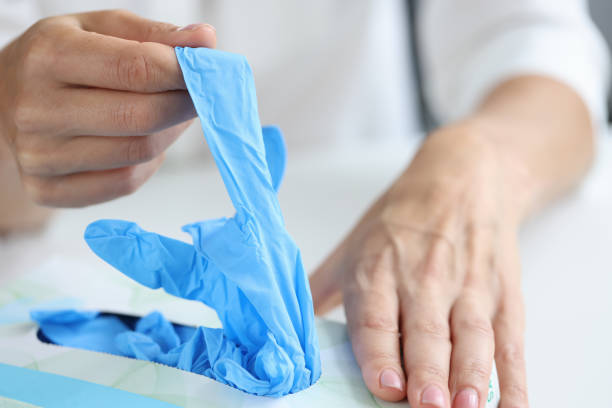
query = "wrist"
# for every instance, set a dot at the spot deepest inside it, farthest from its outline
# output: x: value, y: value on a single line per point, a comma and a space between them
x: 510, y: 161
x: 467, y: 161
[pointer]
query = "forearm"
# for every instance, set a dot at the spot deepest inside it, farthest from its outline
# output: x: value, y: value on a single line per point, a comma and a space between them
x: 541, y: 131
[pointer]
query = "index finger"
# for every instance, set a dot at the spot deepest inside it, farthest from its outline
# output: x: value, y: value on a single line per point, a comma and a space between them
x: 96, y: 60
x: 130, y: 26
x: 372, y: 315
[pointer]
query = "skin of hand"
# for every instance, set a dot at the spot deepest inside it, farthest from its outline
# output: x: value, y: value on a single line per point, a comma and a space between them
x: 17, y: 211
x: 88, y: 104
x: 430, y: 276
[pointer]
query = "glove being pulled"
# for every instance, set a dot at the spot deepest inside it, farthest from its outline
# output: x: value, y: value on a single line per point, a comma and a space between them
x: 247, y: 267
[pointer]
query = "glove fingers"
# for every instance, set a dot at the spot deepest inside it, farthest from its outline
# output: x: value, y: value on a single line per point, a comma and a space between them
x: 276, y: 153
x: 150, y: 259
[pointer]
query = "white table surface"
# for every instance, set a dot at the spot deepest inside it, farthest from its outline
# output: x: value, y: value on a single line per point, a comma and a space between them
x: 566, y: 252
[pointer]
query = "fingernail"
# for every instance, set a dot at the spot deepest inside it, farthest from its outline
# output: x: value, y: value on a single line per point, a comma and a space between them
x: 467, y: 398
x: 390, y: 379
x: 193, y: 27
x: 433, y: 397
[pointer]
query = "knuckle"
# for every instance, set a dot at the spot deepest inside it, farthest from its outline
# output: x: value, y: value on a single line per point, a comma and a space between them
x: 381, y: 357
x: 129, y: 116
x: 43, y: 23
x: 38, y: 162
x: 29, y: 161
x: 141, y: 149
x: 133, y: 68
x: 24, y: 115
x: 374, y: 320
x: 26, y: 157
x: 480, y: 326
x: 512, y: 354
x: 365, y: 275
x: 429, y: 372
x: 131, y: 71
x: 430, y: 328
x: 34, y: 118
x: 153, y: 30
x: 39, y: 189
x: 376, y: 266
x: 37, y: 51
x: 475, y: 371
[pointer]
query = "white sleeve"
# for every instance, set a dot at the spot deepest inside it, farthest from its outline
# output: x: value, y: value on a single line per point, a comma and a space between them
x: 15, y: 17
x: 469, y: 46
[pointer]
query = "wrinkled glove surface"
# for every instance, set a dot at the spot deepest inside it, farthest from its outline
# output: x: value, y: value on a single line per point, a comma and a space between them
x: 247, y: 267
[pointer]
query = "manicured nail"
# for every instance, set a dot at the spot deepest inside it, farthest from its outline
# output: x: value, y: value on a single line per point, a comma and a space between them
x: 467, y: 398
x: 433, y: 397
x: 390, y: 379
x: 193, y: 27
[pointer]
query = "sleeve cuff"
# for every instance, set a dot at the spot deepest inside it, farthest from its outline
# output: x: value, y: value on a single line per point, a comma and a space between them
x: 576, y: 56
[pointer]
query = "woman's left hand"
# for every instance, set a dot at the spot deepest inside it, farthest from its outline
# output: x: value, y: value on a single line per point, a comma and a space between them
x: 430, y: 278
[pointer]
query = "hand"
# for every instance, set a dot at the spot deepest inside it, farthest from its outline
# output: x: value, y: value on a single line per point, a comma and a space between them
x: 430, y: 278
x: 89, y: 102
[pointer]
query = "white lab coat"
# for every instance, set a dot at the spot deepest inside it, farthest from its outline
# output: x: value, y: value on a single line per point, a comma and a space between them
x: 335, y: 74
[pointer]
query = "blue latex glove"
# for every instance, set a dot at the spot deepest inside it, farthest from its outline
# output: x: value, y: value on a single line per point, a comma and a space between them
x: 152, y: 337
x: 247, y: 267
x: 81, y: 329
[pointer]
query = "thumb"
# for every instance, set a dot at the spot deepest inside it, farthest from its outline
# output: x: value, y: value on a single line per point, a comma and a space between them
x: 127, y: 25
x: 148, y: 258
x: 325, y: 282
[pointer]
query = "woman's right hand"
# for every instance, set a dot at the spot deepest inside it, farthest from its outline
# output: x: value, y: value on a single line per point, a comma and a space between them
x: 89, y: 102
